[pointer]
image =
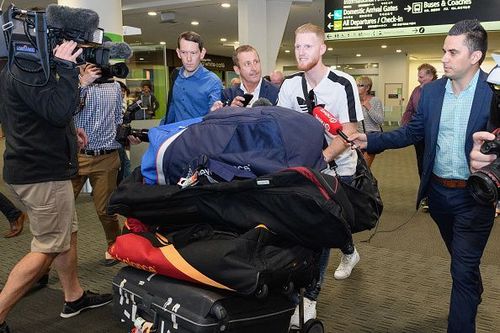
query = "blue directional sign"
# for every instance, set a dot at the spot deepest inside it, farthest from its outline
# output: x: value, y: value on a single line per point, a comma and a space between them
x: 357, y: 19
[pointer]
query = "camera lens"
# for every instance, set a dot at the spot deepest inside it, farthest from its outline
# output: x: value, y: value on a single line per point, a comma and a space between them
x: 483, y: 189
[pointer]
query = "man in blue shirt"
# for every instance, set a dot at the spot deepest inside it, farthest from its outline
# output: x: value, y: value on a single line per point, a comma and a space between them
x: 195, y: 88
x: 450, y: 110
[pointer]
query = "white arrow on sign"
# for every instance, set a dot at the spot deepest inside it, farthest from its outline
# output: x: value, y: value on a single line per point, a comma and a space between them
x: 330, y: 15
x: 330, y: 26
x: 408, y: 8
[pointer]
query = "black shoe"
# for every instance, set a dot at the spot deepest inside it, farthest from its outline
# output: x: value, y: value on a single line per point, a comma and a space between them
x: 4, y: 328
x: 88, y: 300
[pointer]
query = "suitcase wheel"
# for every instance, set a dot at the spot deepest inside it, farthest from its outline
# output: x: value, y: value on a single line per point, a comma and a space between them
x: 262, y: 291
x: 313, y: 326
x: 288, y: 288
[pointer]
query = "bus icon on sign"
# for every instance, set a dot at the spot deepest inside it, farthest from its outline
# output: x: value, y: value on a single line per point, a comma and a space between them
x: 416, y: 7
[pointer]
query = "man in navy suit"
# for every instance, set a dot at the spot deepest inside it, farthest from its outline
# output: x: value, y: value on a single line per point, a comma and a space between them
x: 247, y: 65
x: 450, y: 110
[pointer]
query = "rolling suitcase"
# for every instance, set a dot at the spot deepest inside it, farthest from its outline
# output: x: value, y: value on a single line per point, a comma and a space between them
x: 167, y: 305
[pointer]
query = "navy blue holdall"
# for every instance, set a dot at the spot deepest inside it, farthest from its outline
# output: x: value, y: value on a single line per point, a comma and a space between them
x: 162, y: 304
x: 261, y: 140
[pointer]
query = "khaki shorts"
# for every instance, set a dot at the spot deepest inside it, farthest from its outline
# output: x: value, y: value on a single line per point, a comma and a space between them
x: 51, y: 210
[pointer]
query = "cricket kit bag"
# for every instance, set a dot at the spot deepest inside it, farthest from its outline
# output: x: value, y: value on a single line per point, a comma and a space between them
x: 299, y: 204
x: 261, y: 140
x: 159, y: 139
x: 154, y: 303
x: 254, y: 262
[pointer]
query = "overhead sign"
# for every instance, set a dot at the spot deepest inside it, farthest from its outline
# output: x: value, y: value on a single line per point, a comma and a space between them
x: 354, y: 19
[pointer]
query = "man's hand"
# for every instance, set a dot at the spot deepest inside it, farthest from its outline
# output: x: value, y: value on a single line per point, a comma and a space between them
x: 217, y: 105
x: 88, y: 74
x: 359, y: 140
x: 479, y: 160
x: 238, y: 101
x: 65, y: 50
x: 133, y: 140
x: 82, y: 138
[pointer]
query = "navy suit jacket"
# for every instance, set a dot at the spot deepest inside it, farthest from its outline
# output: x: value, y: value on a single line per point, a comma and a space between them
x: 425, y: 124
x: 267, y: 90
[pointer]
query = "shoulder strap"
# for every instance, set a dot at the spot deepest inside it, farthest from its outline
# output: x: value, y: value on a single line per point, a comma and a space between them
x: 306, y: 94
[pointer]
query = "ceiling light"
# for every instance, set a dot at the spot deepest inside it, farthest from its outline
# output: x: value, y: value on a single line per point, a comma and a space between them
x: 358, y: 54
x: 398, y: 51
x: 383, y: 46
x: 330, y: 49
x: 287, y: 51
x: 225, y: 5
x: 374, y: 65
x: 195, y: 22
x: 163, y: 43
x: 152, y: 13
x: 223, y: 39
x: 141, y: 59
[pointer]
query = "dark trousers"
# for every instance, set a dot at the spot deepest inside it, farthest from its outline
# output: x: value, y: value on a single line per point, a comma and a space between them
x: 465, y: 227
x: 8, y: 209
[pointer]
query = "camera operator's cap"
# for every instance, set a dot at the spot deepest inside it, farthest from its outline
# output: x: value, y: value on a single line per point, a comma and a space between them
x: 494, y: 76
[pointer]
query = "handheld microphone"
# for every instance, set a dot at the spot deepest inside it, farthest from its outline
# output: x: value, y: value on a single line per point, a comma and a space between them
x: 262, y: 101
x: 331, y: 124
x: 67, y: 18
x: 118, y: 50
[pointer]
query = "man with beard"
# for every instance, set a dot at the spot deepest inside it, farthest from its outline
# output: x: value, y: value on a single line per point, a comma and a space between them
x: 247, y: 65
x: 337, y: 91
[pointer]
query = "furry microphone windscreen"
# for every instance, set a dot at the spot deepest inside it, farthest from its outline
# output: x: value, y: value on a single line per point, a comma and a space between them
x: 68, y: 18
x: 118, y: 50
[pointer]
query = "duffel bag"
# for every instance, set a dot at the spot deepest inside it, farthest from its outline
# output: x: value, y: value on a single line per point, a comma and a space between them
x: 251, y: 263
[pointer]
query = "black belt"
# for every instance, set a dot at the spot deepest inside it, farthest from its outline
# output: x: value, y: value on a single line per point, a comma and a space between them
x: 96, y: 152
x: 450, y: 183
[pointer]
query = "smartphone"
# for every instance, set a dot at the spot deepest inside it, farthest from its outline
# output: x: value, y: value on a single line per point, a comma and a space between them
x: 248, y: 98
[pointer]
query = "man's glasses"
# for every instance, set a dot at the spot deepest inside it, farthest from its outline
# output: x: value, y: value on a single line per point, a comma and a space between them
x: 360, y: 85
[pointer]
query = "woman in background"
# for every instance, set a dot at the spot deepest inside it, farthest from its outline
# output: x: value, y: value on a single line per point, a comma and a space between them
x: 373, y: 111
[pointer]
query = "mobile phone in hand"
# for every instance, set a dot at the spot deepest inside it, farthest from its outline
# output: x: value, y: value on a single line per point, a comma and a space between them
x: 248, y: 98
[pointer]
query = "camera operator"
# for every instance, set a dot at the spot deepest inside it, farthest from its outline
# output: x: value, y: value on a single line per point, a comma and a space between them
x: 39, y: 160
x: 99, y: 116
x: 479, y: 160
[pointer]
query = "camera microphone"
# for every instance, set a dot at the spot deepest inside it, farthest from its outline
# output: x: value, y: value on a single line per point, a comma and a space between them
x: 331, y: 124
x: 118, y: 50
x: 67, y: 18
x: 262, y: 101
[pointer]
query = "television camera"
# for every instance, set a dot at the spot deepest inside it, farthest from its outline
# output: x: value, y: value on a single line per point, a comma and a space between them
x: 28, y: 38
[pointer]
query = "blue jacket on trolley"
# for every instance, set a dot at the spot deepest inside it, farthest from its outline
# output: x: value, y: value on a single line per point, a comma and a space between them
x: 267, y: 90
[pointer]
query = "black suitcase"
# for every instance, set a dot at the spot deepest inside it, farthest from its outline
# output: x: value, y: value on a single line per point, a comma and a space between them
x: 181, y: 307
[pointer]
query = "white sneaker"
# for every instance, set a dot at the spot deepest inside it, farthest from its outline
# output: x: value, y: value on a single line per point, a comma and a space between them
x: 347, y: 263
x: 309, y: 313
